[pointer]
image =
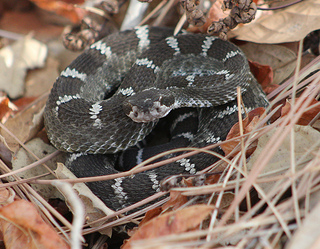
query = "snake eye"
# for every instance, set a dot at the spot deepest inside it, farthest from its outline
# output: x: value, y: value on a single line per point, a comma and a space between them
x: 166, y: 100
x: 135, y: 114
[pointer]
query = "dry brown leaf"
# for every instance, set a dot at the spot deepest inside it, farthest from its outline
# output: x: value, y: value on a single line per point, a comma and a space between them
x: 305, y: 138
x: 248, y: 124
x: 25, y: 124
x: 282, y: 60
x: 7, y: 195
x: 22, y: 227
x: 63, y: 8
x: 277, y: 114
x: 287, y: 25
x: 174, y: 222
x: 5, y: 151
x: 263, y: 74
x: 226, y: 200
x: 40, y: 81
x: 306, y: 116
x: 150, y: 215
x: 23, y: 102
x: 176, y: 200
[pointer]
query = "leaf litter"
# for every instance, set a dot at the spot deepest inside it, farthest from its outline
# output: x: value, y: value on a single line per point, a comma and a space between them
x: 276, y: 166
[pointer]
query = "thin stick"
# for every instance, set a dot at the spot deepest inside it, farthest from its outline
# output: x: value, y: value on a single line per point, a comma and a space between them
x: 292, y: 138
x: 243, y: 154
x: 179, y: 25
x: 153, y: 12
x: 164, y: 12
x: 32, y: 165
x: 78, y: 212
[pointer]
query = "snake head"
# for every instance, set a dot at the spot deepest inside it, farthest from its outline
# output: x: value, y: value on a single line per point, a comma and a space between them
x: 148, y: 105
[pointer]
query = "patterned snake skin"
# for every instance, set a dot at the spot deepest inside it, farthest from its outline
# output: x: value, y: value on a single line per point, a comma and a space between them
x: 143, y: 75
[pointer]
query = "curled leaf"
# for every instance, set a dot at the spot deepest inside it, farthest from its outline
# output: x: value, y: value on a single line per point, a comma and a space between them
x: 174, y: 222
x: 22, y: 227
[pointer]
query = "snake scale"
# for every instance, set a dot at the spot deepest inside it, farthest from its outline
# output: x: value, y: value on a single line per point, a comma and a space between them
x: 113, y: 95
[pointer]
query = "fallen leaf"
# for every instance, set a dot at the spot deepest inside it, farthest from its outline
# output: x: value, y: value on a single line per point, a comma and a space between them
x: 248, y: 125
x: 150, y: 215
x: 63, y: 8
x: 226, y: 200
x: 305, y: 138
x: 25, y: 124
x: 7, y: 195
x: 40, y: 80
x: 23, y: 102
x: 286, y: 108
x: 22, y: 227
x: 286, y: 25
x: 24, y: 54
x: 263, y: 74
x: 316, y: 125
x: 307, y: 116
x: 277, y: 114
x: 281, y: 59
x: 176, y: 200
x: 5, y: 151
x: 174, y: 222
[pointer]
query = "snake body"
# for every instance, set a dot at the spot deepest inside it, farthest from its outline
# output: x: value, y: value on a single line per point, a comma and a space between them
x: 113, y: 95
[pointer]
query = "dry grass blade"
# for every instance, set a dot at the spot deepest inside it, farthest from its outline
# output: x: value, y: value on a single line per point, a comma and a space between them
x: 275, y: 142
x: 35, y: 164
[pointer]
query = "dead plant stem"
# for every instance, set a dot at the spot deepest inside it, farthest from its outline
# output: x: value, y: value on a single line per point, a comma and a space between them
x: 272, y: 147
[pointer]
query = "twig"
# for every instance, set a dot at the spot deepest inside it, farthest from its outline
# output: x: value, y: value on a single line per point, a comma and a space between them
x: 153, y: 12
x: 127, y: 209
x: 32, y: 165
x: 10, y: 35
x: 292, y: 137
x: 134, y: 14
x: 77, y: 208
x: 164, y: 12
x: 280, y: 7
